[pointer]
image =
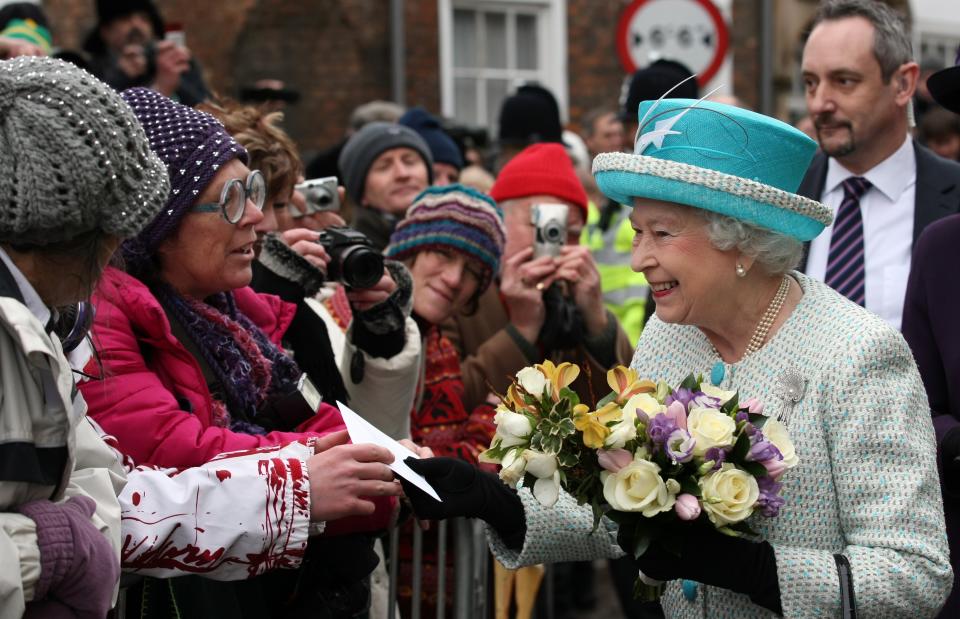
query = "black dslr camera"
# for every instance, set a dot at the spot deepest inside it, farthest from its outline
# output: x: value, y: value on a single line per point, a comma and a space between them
x: 353, y: 260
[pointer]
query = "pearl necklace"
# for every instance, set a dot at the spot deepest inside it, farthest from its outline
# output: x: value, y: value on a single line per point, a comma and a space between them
x: 763, y: 327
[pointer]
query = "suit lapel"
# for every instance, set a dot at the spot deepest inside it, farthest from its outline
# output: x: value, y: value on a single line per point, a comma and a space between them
x: 937, y: 189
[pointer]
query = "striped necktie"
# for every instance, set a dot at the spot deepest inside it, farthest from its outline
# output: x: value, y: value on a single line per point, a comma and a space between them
x: 845, y: 264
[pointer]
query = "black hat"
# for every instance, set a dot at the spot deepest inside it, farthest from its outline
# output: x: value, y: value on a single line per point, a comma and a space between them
x: 944, y: 86
x: 109, y: 10
x: 651, y: 82
x: 531, y: 115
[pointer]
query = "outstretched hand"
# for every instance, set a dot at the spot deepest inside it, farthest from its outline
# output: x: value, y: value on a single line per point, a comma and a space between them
x: 467, y: 492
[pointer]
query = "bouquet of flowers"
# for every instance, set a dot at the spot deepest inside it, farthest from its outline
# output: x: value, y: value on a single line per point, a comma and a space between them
x: 650, y: 457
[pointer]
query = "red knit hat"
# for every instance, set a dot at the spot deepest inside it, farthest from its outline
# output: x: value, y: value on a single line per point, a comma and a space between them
x: 543, y: 169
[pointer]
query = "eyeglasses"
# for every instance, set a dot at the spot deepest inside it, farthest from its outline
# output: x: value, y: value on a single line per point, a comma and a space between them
x: 234, y: 197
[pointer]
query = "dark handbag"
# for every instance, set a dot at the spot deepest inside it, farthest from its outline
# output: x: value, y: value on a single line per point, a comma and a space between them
x: 848, y: 603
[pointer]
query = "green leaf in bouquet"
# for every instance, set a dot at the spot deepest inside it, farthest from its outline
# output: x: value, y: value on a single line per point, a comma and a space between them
x: 551, y: 444
x: 568, y: 459
x: 570, y: 396
x: 689, y: 485
x: 691, y: 382
x: 740, y: 448
x: 663, y: 390
x: 634, y: 536
x: 610, y: 397
x: 731, y: 406
x: 754, y: 468
x: 567, y: 427
x: 757, y: 420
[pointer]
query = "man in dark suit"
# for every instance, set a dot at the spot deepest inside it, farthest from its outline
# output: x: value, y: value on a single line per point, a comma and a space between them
x: 859, y: 79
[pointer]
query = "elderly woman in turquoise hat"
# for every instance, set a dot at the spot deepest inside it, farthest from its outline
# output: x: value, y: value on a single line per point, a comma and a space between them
x: 719, y: 231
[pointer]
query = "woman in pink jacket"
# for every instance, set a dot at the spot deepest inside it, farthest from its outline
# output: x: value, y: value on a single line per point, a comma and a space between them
x: 191, y: 363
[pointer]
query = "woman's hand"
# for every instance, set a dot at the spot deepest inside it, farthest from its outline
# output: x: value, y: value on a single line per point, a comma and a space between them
x: 467, y: 492
x: 577, y: 266
x: 522, y: 283
x: 363, y: 299
x: 341, y: 474
x: 304, y: 242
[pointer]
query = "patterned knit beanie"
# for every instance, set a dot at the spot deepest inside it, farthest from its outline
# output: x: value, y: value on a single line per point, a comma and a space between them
x: 72, y: 157
x: 455, y: 218
x: 193, y: 145
x: 540, y: 170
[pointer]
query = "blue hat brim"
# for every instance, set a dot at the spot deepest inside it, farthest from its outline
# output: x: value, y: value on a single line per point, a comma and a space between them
x: 623, y: 186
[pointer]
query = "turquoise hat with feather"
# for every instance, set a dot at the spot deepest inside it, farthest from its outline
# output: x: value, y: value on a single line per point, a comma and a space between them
x: 719, y: 158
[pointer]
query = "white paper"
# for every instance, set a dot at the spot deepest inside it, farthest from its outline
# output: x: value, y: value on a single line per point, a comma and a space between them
x: 362, y: 431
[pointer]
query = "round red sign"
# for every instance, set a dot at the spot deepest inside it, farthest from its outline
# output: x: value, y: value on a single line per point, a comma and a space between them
x: 689, y: 31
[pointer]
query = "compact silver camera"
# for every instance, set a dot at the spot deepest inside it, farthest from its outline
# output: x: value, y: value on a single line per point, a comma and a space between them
x: 321, y: 195
x: 550, y: 225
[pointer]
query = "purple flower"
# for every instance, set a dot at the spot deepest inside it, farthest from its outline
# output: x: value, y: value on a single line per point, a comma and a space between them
x: 763, y: 451
x: 742, y: 416
x: 702, y: 400
x: 660, y: 427
x: 680, y: 446
x: 681, y: 395
x: 717, y: 454
x: 770, y: 500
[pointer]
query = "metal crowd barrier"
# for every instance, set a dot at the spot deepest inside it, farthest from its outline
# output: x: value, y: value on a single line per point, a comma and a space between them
x: 471, y: 565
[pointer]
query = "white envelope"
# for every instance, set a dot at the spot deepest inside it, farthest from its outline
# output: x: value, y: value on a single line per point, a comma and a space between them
x: 362, y: 431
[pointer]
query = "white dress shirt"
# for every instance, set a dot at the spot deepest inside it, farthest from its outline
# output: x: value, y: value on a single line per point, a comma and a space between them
x: 887, y: 209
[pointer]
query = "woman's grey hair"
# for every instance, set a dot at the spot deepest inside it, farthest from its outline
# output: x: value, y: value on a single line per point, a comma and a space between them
x: 891, y: 43
x: 776, y: 253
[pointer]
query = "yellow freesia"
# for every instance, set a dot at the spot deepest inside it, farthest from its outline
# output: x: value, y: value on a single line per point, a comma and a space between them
x: 515, y: 400
x: 594, y: 425
x: 560, y: 376
x: 626, y: 384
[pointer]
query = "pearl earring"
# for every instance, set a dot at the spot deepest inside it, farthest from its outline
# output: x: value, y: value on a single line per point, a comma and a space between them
x: 741, y: 272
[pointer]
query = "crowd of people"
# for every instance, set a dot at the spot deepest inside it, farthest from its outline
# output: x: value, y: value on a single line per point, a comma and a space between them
x: 184, y: 302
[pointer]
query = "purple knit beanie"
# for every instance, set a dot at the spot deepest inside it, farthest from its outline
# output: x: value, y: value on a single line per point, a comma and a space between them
x: 193, y: 145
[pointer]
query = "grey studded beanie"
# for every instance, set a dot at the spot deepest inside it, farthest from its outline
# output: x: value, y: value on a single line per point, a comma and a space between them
x: 367, y: 144
x: 193, y: 145
x: 73, y: 158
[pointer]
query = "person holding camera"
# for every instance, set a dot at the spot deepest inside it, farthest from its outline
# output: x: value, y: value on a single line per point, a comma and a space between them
x: 126, y: 49
x: 549, y: 306
x: 384, y: 166
x: 190, y: 364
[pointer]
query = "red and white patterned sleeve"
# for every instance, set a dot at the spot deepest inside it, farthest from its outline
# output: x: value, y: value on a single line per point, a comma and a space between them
x: 233, y: 518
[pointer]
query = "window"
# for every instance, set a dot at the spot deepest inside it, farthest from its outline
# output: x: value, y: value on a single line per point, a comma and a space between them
x: 488, y: 48
x: 939, y: 47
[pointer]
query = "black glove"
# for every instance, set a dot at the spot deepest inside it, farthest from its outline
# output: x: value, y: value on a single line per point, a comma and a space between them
x: 467, y: 492
x: 718, y: 560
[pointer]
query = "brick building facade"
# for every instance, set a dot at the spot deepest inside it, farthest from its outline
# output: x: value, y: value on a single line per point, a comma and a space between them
x: 337, y: 53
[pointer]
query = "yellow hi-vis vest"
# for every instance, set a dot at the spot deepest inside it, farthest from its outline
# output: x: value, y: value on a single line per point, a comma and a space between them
x: 624, y: 290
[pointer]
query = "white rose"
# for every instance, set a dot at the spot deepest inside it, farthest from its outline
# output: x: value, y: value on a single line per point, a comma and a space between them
x: 513, y: 467
x: 532, y: 380
x: 512, y: 428
x: 624, y: 430
x: 776, y: 433
x: 539, y: 464
x: 716, y: 392
x: 728, y: 495
x: 646, y: 403
x: 638, y: 487
x: 710, y: 428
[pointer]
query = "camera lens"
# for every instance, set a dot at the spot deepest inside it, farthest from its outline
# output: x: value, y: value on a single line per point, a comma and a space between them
x: 553, y: 232
x: 362, y: 267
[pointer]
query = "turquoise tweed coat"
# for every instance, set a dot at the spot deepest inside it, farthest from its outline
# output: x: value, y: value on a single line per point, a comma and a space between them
x: 866, y: 485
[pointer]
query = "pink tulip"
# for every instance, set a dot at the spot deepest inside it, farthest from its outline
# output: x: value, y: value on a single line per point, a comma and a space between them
x: 753, y: 405
x: 775, y: 467
x: 678, y: 412
x: 687, y: 507
x: 614, y: 459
